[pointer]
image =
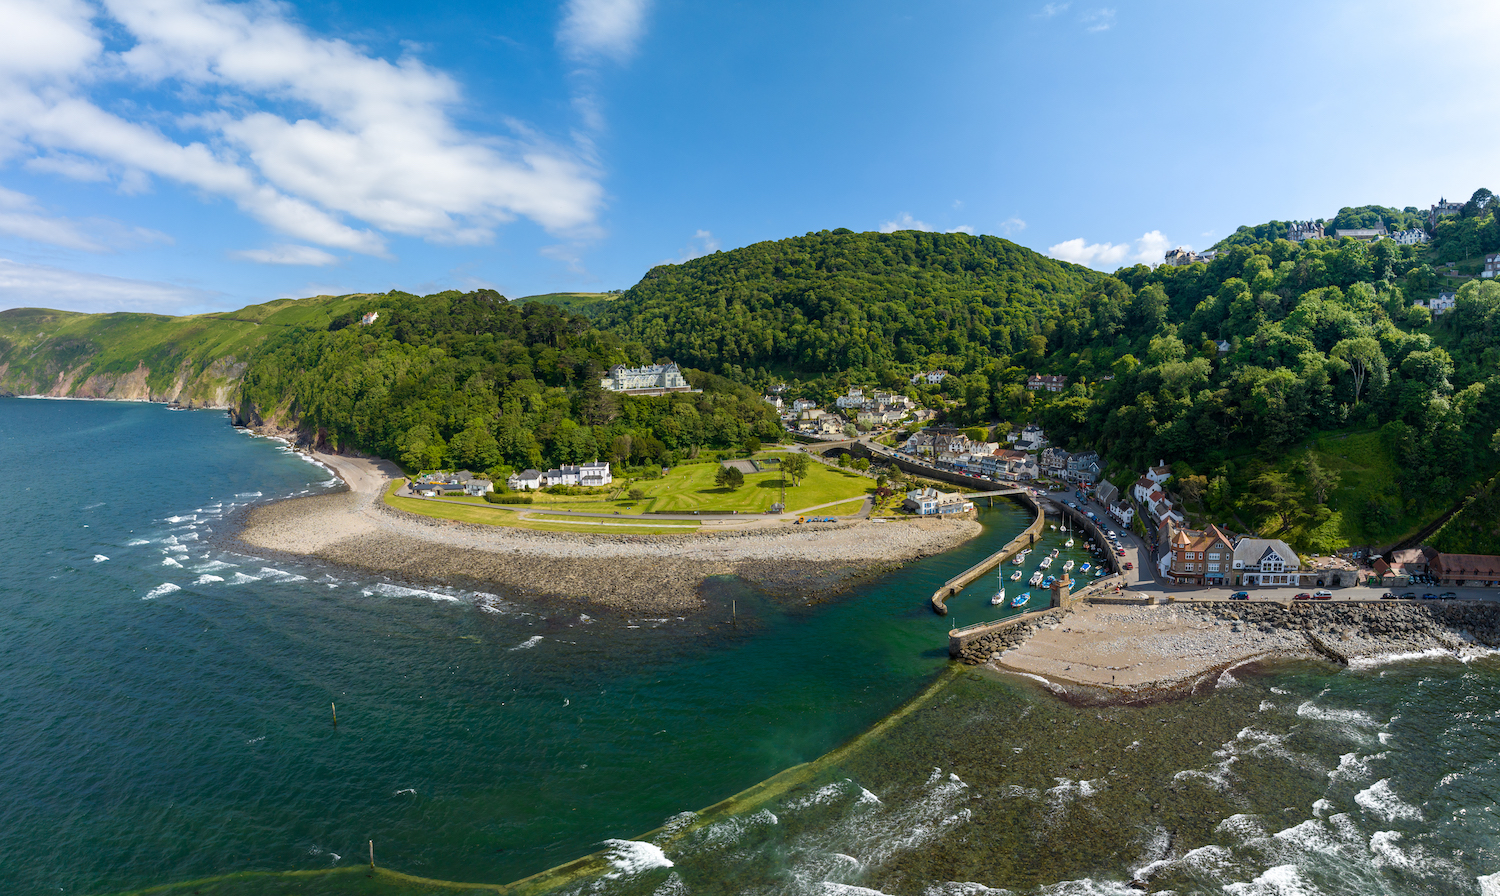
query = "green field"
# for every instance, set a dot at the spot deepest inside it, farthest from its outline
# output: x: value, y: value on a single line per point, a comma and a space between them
x: 477, y: 511
x: 587, y: 304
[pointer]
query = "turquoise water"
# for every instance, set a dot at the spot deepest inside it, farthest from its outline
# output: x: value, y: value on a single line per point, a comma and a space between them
x: 166, y: 711
x: 164, y: 716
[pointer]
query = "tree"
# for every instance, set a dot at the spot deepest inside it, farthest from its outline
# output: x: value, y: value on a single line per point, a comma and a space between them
x: 1320, y: 481
x: 752, y: 445
x: 975, y: 433
x: 636, y: 494
x: 851, y: 431
x: 794, y: 465
x: 862, y: 464
x: 1363, y: 355
x: 1274, y: 496
x: 844, y: 459
x: 729, y: 477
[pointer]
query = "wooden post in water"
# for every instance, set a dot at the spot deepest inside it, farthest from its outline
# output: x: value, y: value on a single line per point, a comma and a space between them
x: 734, y: 611
x: 335, y: 714
x: 372, y: 855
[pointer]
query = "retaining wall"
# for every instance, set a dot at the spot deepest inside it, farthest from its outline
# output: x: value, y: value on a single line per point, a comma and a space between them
x: 973, y: 644
x: 1027, y: 537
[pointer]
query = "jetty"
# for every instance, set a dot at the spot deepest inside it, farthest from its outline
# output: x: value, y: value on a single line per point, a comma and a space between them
x: 1025, y: 539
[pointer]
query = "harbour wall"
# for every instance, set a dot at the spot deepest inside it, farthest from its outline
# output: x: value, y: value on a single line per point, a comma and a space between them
x: 1026, y: 538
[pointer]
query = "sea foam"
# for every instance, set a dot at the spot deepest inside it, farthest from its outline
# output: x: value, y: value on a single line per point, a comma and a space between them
x: 159, y: 590
x: 633, y: 857
x: 1380, y: 800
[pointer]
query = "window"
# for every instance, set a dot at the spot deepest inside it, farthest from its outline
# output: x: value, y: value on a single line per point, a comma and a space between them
x: 1213, y: 567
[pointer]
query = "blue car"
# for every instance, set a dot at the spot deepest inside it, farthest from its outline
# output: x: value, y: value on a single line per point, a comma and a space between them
x: 1240, y: 595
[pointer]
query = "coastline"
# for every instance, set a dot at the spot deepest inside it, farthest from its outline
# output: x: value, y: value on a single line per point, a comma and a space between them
x: 1147, y: 653
x: 630, y: 573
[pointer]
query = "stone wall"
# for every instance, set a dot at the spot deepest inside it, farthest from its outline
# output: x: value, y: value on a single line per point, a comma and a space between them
x: 976, y: 644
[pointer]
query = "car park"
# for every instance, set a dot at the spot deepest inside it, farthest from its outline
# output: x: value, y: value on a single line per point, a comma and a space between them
x: 1320, y: 594
x: 1303, y: 596
x: 1240, y: 595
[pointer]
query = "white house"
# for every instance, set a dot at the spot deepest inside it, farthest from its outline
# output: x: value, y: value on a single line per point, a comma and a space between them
x: 654, y: 378
x: 1142, y: 489
x: 803, y: 404
x: 855, y: 398
x: 1265, y: 561
x: 478, y: 488
x: 931, y: 377
x: 525, y: 480
x: 1491, y: 265
x: 591, y: 474
x: 1159, y: 473
x: 929, y: 501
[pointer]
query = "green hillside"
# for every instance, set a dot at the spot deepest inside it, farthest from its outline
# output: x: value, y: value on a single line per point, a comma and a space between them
x: 873, y: 306
x: 197, y: 358
x: 588, y: 304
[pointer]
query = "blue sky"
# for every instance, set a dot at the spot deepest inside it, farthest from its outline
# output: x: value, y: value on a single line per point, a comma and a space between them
x: 192, y: 155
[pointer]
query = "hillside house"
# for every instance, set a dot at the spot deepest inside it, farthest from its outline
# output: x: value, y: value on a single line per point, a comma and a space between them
x: 654, y: 379
x: 1160, y: 473
x: 1363, y: 234
x: 369, y: 318
x: 1414, y: 237
x: 1054, y: 461
x: 589, y: 475
x: 1444, y: 209
x: 1083, y: 467
x: 931, y: 377
x: 1141, y: 489
x: 1049, y: 382
x: 1029, y: 439
x: 855, y: 399
x: 1304, y: 230
x: 774, y: 401
x: 1491, y: 265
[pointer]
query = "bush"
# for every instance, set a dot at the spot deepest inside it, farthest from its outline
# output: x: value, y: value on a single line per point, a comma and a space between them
x: 497, y: 498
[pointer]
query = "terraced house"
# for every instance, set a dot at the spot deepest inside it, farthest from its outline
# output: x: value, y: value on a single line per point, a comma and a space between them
x: 1201, y: 557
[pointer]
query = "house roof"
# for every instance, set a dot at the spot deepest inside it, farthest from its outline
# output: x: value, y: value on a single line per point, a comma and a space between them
x: 1477, y: 566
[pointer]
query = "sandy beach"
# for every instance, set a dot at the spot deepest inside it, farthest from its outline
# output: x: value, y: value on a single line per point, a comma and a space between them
x: 631, y: 573
x: 1139, y: 653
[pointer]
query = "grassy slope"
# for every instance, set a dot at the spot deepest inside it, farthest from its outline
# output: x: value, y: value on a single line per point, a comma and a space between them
x: 56, y: 352
x: 498, y: 515
x: 588, y: 304
x: 691, y: 487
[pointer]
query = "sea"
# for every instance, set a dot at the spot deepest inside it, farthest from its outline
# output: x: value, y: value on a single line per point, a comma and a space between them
x: 168, y: 703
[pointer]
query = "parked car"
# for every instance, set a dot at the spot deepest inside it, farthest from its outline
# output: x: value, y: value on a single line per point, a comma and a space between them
x: 1410, y: 595
x: 1321, y: 594
x: 1387, y: 596
x: 1448, y: 595
x: 1429, y: 596
x: 1129, y: 565
x: 1303, y: 596
x: 1120, y: 552
x: 1240, y: 595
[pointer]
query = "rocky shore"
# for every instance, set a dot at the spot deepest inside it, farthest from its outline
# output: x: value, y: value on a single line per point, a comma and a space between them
x: 629, y: 573
x: 1096, y: 653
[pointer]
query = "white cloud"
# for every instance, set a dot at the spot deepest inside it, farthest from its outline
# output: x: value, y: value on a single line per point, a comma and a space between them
x: 608, y: 28
x: 1149, y: 249
x: 905, y: 222
x: 962, y: 228
x: 1012, y: 225
x: 287, y: 254
x: 1096, y: 20
x: 20, y: 216
x: 370, y: 148
x: 1053, y: 9
x: 39, y: 286
x: 703, y: 243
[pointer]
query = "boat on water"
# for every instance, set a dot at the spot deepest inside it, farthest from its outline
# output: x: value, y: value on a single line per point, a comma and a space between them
x: 1070, y: 535
x: 1046, y: 562
x: 1086, y: 567
x: 1035, y: 580
x: 1047, y: 582
x: 1020, y: 600
x: 1055, y: 552
x: 1068, y: 567
x: 1016, y: 576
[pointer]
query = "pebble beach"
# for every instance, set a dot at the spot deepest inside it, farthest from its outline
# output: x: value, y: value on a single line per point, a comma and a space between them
x: 628, y: 573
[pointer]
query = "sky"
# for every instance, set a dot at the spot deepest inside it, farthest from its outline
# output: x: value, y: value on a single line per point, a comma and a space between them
x: 182, y: 156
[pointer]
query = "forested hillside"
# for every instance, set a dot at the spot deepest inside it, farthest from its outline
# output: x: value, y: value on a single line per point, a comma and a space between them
x: 471, y: 380
x: 872, y: 306
x: 1320, y: 338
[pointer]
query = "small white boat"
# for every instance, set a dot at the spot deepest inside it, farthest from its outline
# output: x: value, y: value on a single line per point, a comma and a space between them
x: 999, y: 597
x: 1046, y: 562
x: 1055, y: 552
x: 1035, y: 580
x: 1068, y: 567
x: 1016, y: 576
x: 1020, y: 600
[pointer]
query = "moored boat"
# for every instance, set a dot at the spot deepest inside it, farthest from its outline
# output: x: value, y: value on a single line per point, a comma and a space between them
x: 1020, y: 600
x: 1036, y: 579
x: 1068, y: 567
x: 1086, y: 567
x: 1016, y: 576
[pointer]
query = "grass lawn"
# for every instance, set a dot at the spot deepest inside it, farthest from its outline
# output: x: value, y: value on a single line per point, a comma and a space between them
x: 689, y: 488
x: 492, y: 515
x: 844, y: 509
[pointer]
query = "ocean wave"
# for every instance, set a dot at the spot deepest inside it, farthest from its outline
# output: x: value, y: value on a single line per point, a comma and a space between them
x: 207, y: 580
x: 182, y: 519
x: 1489, y: 884
x: 633, y: 857
x: 385, y: 589
x: 137, y: 542
x: 213, y: 566
x: 1244, y: 828
x: 529, y: 643
x: 1279, y: 880
x: 1380, y: 800
x: 1351, y: 768
x: 168, y: 561
x: 162, y: 589
x: 242, y: 579
x: 277, y: 575
x: 100, y: 558
x: 250, y: 495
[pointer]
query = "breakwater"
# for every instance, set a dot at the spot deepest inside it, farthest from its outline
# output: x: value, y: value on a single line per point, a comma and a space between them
x: 1024, y: 539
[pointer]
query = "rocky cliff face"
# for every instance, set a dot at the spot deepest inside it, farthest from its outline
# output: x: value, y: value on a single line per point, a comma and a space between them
x: 215, y: 386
